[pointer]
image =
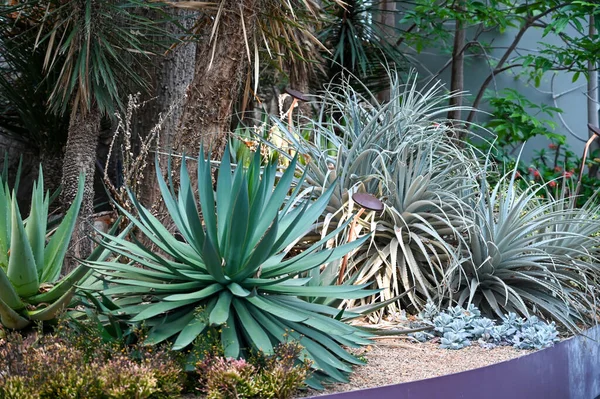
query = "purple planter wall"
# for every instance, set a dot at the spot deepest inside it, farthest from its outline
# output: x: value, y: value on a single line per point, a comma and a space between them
x: 570, y: 369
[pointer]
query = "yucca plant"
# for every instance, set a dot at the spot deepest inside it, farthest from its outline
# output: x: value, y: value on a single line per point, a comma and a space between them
x: 529, y: 254
x: 359, y: 42
x: 402, y: 152
x: 30, y: 289
x: 234, y: 269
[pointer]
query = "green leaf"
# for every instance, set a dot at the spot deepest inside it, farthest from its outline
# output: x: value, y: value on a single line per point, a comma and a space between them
x: 266, y: 305
x: 52, y: 310
x: 238, y: 290
x: 11, y: 319
x: 8, y: 294
x: 257, y: 334
x: 203, y: 293
x: 236, y: 236
x: 5, y: 224
x: 22, y: 271
x: 169, y: 326
x: 159, y: 308
x: 35, y: 227
x: 224, y: 197
x: 56, y: 249
x: 229, y: 339
x: 221, y: 311
x: 189, y: 333
x: 207, y: 201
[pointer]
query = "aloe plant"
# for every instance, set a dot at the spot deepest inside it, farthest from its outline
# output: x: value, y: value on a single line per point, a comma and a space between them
x: 235, y: 271
x: 30, y: 288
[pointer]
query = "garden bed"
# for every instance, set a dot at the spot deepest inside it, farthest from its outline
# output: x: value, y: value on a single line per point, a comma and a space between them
x: 569, y: 369
x: 397, y: 360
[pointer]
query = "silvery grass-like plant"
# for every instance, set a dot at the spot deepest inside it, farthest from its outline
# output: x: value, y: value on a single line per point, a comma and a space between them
x: 528, y: 254
x: 233, y: 268
x: 402, y: 152
x: 31, y: 258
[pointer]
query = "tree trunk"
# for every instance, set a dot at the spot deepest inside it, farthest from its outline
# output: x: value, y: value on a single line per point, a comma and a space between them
x: 387, y: 17
x: 207, y: 113
x: 592, y: 100
x: 80, y: 157
x: 300, y: 80
x: 458, y: 68
x: 173, y: 75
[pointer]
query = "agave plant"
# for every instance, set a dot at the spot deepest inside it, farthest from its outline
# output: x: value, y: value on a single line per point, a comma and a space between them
x: 236, y: 271
x: 529, y: 254
x: 403, y: 153
x: 30, y: 289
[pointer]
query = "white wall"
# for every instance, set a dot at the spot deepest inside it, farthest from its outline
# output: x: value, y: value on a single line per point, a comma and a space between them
x: 556, y: 88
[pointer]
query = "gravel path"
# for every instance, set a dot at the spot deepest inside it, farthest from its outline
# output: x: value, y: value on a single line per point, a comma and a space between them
x: 392, y: 361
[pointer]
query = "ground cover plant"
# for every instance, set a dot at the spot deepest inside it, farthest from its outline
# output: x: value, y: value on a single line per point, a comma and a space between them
x: 237, y: 273
x: 458, y: 328
x: 79, y: 363
x: 79, y: 358
x: 275, y: 376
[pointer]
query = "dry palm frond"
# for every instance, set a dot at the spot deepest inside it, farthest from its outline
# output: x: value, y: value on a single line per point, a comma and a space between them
x: 281, y: 30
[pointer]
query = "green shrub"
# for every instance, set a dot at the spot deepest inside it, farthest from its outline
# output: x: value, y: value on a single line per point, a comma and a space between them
x: 49, y: 366
x: 275, y: 376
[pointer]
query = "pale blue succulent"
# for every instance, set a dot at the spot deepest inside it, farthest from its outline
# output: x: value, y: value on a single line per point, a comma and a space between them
x: 430, y: 311
x: 452, y: 340
x: 536, y: 336
x: 441, y: 322
x: 456, y: 312
x: 482, y: 328
x: 458, y: 326
x: 472, y: 313
x: 422, y: 336
x: 513, y: 320
x: 503, y: 332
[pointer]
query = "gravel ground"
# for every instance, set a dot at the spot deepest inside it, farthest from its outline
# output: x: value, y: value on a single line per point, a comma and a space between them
x: 392, y: 361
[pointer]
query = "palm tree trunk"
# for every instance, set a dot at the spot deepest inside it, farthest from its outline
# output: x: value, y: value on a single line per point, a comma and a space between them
x: 173, y: 74
x: 80, y: 157
x: 220, y: 67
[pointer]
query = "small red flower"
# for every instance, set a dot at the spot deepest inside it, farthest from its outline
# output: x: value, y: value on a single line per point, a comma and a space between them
x: 536, y: 174
x: 568, y: 175
x: 552, y: 184
x: 553, y: 146
x: 517, y: 175
x: 558, y: 169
